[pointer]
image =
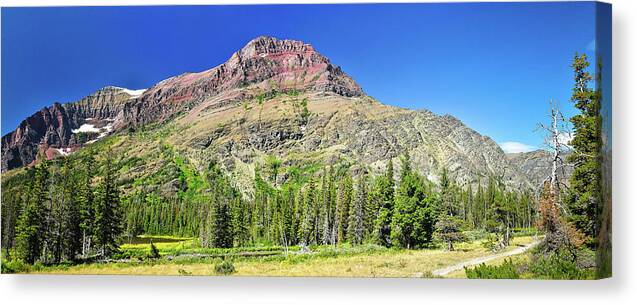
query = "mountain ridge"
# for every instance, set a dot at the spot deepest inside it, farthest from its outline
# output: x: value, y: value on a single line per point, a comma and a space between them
x: 218, y: 108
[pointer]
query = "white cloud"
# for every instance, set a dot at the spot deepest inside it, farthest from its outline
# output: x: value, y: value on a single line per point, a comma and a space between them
x: 565, y: 138
x: 516, y: 147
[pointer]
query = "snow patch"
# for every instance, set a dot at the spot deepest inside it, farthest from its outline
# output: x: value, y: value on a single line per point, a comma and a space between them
x: 86, y: 128
x: 101, y: 131
x: 132, y: 93
x: 135, y: 93
x: 64, y: 151
x: 107, y: 129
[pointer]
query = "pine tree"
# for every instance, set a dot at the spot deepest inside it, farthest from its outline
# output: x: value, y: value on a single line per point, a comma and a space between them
x: 414, y: 212
x: 449, y: 230
x: 448, y: 225
x: 107, y: 226
x: 286, y: 221
x: 31, y: 228
x: 71, y: 233
x: 328, y: 208
x: 240, y: 223
x: 323, y: 220
x: 260, y: 206
x: 356, y: 227
x: 15, y: 193
x: 344, y: 199
x: 446, y: 194
x: 384, y: 191
x: 307, y: 230
x: 584, y: 196
x: 469, y: 207
x: 222, y: 234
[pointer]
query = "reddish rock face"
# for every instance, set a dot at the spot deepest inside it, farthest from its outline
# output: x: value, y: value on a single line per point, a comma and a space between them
x: 288, y: 64
x: 265, y: 63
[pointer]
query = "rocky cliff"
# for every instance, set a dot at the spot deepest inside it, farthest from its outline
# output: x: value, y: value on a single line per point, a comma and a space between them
x: 52, y: 127
x: 536, y: 165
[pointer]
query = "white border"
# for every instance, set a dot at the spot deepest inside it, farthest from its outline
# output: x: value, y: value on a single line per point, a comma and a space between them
x: 621, y: 289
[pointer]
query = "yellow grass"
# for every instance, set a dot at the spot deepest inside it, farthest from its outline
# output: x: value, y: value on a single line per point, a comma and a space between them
x: 377, y: 263
x: 460, y: 274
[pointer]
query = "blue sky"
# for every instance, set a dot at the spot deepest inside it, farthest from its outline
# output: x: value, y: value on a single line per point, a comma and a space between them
x: 493, y: 65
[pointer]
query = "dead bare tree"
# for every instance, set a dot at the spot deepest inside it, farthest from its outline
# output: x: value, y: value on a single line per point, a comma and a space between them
x: 555, y: 144
x: 559, y: 234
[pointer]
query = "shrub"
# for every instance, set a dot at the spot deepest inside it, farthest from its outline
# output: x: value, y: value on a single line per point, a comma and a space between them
x: 490, y: 242
x: 558, y: 266
x: 507, y: 270
x: 474, y: 235
x: 13, y: 266
x: 225, y: 268
x: 154, y: 252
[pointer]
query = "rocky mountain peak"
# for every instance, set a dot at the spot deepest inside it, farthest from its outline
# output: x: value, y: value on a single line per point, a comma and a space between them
x: 264, y: 64
x: 264, y: 45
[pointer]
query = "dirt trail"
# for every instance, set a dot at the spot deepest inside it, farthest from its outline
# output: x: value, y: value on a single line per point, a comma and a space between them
x: 484, y: 259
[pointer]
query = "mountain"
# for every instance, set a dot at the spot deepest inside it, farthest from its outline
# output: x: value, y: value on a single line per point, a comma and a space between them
x: 271, y: 98
x: 537, y: 164
x: 53, y: 127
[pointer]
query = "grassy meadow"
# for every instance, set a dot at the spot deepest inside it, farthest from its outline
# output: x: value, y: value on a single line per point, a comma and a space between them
x: 185, y: 257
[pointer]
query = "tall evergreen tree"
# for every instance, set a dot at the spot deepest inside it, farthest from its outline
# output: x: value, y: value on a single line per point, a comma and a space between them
x: 384, y: 191
x: 32, y: 228
x: 328, y: 208
x: 469, y: 207
x: 449, y: 224
x: 71, y: 230
x: 240, y: 223
x: 222, y: 232
x: 414, y: 213
x: 344, y: 199
x: 108, y: 225
x: 584, y: 196
x: 449, y: 230
x: 307, y: 231
x: 446, y: 194
x: 356, y: 227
